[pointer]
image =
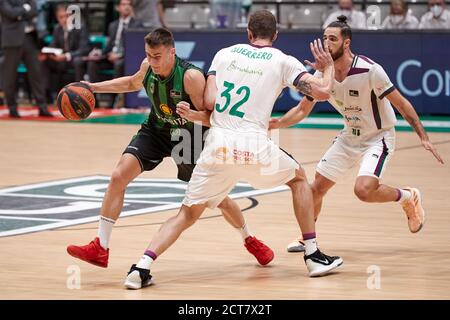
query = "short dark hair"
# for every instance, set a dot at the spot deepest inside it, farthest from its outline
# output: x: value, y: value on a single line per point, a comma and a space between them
x: 263, y: 24
x: 60, y: 7
x: 160, y: 36
x: 346, y: 31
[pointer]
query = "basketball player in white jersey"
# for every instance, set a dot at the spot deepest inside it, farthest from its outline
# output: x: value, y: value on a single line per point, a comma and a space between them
x: 362, y: 93
x: 243, y: 83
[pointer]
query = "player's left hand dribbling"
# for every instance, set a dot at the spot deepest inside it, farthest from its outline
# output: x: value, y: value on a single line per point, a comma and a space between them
x: 429, y: 146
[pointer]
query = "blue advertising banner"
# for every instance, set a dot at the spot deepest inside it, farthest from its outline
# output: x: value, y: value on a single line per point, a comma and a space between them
x: 417, y: 63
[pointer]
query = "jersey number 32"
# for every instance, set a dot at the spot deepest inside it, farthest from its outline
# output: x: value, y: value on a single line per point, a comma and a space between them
x: 229, y: 90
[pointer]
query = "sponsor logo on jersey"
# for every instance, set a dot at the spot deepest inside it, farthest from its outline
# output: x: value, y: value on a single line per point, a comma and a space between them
x: 353, y: 93
x: 352, y: 118
x: 353, y: 109
x: 152, y: 87
x: 174, y: 94
x: 166, y: 109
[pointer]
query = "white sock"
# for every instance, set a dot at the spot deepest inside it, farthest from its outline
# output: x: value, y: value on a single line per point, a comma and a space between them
x: 244, y: 231
x: 310, y: 246
x: 104, y: 231
x: 145, y: 262
x: 405, y: 195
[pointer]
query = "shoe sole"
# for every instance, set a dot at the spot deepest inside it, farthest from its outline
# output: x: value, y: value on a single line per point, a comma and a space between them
x: 95, y: 263
x: 297, y: 248
x: 326, y: 269
x: 420, y: 204
x: 135, y: 286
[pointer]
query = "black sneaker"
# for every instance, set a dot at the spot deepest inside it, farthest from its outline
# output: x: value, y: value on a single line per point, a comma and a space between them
x: 319, y: 264
x: 138, y: 278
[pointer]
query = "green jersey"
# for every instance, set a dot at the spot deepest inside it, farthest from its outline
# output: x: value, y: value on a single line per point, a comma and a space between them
x: 164, y: 94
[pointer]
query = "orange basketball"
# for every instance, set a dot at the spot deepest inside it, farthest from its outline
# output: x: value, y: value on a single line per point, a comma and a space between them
x: 76, y: 101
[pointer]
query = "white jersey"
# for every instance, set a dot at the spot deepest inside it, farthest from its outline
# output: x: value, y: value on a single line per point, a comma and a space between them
x: 359, y: 98
x: 249, y: 80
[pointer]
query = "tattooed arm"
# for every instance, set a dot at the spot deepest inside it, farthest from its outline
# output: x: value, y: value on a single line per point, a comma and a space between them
x: 318, y: 88
x: 409, y: 114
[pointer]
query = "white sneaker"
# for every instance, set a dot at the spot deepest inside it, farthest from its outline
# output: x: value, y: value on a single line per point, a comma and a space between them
x: 320, y: 264
x: 296, y: 246
x: 138, y: 278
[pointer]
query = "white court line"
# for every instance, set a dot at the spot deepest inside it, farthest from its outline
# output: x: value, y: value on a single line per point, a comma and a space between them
x: 132, y: 213
x: 31, y: 219
x: 42, y: 196
x: 52, y: 183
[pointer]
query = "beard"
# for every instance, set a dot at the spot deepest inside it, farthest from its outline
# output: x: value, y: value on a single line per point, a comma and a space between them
x: 336, y: 55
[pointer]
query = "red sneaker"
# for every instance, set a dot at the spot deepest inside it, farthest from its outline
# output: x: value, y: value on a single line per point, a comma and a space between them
x: 261, y: 252
x: 93, y: 253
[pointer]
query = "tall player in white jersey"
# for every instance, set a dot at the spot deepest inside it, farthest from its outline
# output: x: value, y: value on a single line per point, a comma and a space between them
x: 362, y: 93
x: 243, y: 83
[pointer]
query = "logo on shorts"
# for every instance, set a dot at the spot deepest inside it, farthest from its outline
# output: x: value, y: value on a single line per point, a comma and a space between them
x: 132, y: 147
x: 353, y: 93
x: 166, y: 109
x: 221, y: 153
x: 243, y: 156
x: 375, y: 156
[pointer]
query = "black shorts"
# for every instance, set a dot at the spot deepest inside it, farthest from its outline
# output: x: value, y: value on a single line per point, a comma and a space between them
x: 150, y: 146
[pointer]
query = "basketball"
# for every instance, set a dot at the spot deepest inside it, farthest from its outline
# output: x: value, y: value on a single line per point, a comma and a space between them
x: 76, y: 101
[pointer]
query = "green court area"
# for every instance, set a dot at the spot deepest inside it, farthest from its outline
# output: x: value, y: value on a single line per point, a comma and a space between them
x: 314, y: 121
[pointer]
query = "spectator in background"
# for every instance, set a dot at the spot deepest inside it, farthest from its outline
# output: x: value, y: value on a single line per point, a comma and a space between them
x: 75, y: 44
x: 437, y: 17
x: 150, y: 13
x: 355, y: 19
x: 112, y: 56
x: 19, y: 42
x: 399, y: 17
x: 225, y: 13
x: 41, y: 24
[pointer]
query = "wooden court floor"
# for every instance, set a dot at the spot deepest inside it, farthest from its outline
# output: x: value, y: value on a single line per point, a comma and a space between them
x: 382, y: 259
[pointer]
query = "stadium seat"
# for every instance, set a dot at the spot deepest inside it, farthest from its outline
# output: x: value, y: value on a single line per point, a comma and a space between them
x: 307, y: 16
x: 200, y: 17
x: 179, y: 17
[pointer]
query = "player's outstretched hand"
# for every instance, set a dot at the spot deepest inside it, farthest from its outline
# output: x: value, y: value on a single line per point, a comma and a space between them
x: 321, y: 55
x: 185, y: 111
x: 274, y: 123
x: 429, y: 146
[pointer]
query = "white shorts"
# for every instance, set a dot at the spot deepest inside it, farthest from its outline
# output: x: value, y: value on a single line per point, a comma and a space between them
x: 229, y: 157
x: 373, y: 153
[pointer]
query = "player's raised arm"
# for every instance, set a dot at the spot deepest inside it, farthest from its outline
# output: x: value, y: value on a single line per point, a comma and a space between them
x: 122, y: 84
x: 293, y: 116
x: 409, y: 114
x: 318, y: 88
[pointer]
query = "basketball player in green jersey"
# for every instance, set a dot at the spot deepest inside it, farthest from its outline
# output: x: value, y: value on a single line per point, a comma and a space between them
x: 167, y: 80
